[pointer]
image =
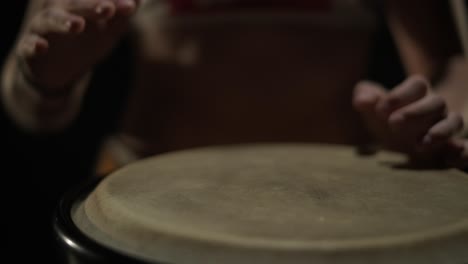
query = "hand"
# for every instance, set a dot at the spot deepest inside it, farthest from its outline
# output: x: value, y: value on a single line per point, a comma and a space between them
x: 412, y: 119
x: 63, y: 39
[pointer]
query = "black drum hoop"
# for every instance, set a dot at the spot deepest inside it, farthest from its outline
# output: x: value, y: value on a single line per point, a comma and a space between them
x: 72, y: 242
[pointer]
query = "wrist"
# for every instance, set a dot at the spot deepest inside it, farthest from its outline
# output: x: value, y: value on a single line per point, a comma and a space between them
x: 33, y: 107
x: 26, y: 80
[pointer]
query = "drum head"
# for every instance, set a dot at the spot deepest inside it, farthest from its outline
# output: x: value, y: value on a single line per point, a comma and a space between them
x: 280, y: 203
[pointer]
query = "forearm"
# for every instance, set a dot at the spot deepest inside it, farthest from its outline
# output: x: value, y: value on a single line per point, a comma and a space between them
x: 425, y: 35
x: 33, y: 110
x: 453, y: 86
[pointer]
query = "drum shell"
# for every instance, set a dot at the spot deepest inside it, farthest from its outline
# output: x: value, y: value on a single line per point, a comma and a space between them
x: 79, y: 248
x: 73, y: 246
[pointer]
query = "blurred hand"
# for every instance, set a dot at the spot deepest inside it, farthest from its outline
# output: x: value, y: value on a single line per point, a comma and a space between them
x: 63, y: 39
x: 411, y: 118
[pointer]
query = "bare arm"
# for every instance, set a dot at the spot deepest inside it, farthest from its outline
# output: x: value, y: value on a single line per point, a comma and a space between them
x: 46, y: 74
x: 425, y: 34
x: 430, y: 45
x: 25, y: 105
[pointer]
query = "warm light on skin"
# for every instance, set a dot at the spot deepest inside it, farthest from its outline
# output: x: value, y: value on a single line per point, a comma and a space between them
x: 460, y: 13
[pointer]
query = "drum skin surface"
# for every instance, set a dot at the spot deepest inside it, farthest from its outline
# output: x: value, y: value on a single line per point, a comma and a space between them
x: 280, y: 203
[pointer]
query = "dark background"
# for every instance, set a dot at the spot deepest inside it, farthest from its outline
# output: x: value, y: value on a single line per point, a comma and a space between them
x: 37, y: 169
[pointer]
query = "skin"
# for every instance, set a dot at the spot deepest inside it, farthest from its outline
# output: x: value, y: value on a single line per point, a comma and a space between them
x: 56, y: 26
x: 415, y: 117
x: 410, y: 118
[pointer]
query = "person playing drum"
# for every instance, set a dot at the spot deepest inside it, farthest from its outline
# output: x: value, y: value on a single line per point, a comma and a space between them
x: 218, y: 72
x: 221, y: 72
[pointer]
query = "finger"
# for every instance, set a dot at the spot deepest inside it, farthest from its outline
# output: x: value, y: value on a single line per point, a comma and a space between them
x: 56, y: 20
x: 92, y: 9
x: 411, y: 90
x: 441, y: 133
x: 117, y: 25
x: 444, y: 129
x: 366, y: 96
x: 32, y: 45
x: 418, y: 117
x: 137, y: 2
x: 126, y: 7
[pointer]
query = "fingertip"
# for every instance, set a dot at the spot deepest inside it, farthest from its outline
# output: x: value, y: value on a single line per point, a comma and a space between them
x: 368, y: 85
x: 432, y: 141
x: 126, y: 7
x: 77, y: 24
x: 364, y: 102
x: 364, y: 83
x: 396, y: 120
x: 418, y: 84
x: 427, y: 140
x: 420, y: 80
x: 367, y: 95
x: 41, y: 46
x: 32, y: 46
x: 105, y: 10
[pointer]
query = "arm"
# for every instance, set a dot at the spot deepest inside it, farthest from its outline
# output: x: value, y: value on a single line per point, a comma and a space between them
x: 46, y: 74
x: 425, y: 35
x: 431, y: 36
x: 427, y: 38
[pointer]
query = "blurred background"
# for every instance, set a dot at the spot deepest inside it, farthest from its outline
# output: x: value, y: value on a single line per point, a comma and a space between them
x: 38, y: 169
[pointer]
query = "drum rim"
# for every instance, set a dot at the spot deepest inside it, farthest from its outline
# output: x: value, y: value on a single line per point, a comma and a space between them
x: 67, y: 233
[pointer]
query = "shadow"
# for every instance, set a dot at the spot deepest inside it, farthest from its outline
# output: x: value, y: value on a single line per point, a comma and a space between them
x: 415, y: 165
x: 408, y: 163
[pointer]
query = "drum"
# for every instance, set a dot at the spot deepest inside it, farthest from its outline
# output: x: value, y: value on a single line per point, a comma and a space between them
x: 268, y: 204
